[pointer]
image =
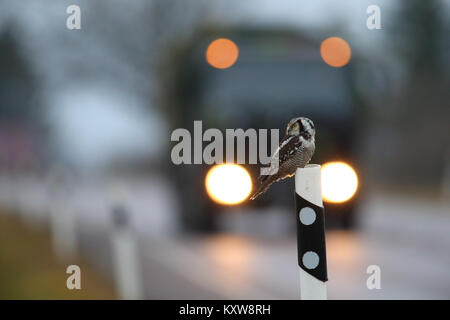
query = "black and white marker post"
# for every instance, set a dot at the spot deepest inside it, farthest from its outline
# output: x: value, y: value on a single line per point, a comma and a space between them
x: 310, y: 233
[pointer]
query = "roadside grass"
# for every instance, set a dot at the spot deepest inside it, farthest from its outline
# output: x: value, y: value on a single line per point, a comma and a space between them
x: 29, y: 270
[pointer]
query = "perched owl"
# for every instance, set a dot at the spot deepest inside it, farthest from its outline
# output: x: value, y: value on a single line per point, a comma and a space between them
x: 295, y: 151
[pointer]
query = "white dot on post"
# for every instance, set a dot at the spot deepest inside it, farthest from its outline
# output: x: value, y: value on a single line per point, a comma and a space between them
x: 307, y: 216
x: 310, y: 260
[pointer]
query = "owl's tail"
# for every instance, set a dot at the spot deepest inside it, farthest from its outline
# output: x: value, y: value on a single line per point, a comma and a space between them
x: 265, y: 182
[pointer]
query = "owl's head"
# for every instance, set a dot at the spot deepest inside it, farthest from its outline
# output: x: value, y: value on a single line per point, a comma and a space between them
x: 301, y: 127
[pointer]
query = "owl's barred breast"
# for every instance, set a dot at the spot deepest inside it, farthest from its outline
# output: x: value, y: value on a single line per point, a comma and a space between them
x: 299, y: 160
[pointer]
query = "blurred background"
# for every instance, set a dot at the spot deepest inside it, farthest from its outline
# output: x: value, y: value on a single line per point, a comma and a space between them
x: 86, y: 117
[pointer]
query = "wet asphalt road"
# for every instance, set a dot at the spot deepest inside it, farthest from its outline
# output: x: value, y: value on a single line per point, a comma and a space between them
x: 408, y: 239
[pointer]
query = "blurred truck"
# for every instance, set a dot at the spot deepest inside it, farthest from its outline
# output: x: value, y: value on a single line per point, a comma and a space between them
x: 279, y: 75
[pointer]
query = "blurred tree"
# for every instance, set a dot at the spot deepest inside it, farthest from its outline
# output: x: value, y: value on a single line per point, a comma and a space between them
x: 420, y: 110
x: 17, y: 84
x: 20, y: 120
x: 417, y: 30
x: 120, y: 43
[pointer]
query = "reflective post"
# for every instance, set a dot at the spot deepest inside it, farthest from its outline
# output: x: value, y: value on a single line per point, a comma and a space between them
x: 310, y: 233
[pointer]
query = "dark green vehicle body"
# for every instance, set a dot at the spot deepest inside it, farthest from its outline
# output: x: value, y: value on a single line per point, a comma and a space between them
x: 279, y: 75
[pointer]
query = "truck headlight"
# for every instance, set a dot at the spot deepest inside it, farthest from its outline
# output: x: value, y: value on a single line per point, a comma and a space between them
x: 339, y: 182
x: 228, y: 184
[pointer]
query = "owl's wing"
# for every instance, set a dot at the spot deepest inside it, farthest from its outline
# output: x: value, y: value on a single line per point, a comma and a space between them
x: 288, y: 146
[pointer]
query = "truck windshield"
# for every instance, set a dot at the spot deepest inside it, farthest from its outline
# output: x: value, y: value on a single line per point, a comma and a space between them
x: 312, y: 87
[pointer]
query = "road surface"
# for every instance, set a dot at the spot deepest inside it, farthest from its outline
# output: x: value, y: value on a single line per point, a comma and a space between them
x: 407, y: 237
